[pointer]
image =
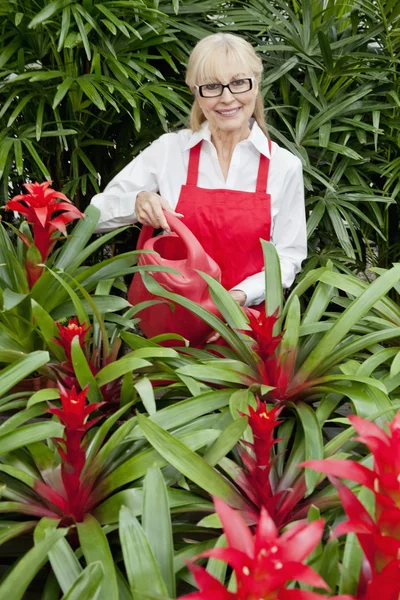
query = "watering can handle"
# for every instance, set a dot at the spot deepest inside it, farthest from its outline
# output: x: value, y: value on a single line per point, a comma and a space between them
x: 193, y: 246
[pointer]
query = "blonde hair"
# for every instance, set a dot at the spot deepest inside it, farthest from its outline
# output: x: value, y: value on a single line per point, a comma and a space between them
x: 207, y: 65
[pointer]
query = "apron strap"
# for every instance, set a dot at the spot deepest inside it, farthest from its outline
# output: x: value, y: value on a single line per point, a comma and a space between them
x: 193, y: 167
x: 263, y: 171
x: 194, y: 161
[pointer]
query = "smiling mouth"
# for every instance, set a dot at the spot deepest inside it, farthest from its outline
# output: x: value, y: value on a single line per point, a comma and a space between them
x: 229, y: 113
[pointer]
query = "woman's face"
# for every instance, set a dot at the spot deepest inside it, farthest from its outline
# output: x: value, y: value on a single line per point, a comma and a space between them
x: 229, y: 112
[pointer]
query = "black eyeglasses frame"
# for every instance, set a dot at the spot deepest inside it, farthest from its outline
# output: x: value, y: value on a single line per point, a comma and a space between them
x: 226, y: 85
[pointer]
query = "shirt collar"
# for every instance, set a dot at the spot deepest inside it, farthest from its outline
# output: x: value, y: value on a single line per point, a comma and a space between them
x: 257, y: 138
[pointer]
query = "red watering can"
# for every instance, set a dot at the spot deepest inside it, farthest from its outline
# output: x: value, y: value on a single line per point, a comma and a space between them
x: 182, y: 251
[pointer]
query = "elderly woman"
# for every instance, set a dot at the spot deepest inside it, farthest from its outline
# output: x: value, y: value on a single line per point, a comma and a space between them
x: 223, y: 177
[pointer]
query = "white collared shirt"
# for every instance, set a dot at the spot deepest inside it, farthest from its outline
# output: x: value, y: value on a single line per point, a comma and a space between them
x: 162, y: 168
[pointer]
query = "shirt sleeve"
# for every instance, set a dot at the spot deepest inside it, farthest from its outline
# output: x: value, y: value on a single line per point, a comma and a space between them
x: 117, y: 202
x: 289, y: 236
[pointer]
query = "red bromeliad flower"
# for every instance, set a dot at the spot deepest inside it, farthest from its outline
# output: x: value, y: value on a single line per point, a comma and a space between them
x: 73, y: 415
x: 110, y: 391
x: 256, y: 480
x: 384, y: 478
x: 72, y: 497
x: 262, y: 328
x: 67, y: 334
x: 385, y: 585
x: 42, y: 210
x: 275, y: 366
x: 379, y: 537
x: 263, y: 564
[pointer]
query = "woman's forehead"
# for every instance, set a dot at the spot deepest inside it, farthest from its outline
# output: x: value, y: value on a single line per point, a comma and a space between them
x: 219, y: 68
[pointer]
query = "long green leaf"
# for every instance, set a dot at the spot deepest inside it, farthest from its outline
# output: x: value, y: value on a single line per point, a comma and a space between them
x: 357, y: 309
x: 157, y: 526
x: 16, y: 583
x: 20, y: 369
x: 143, y: 572
x: 95, y: 549
x: 189, y: 463
x: 87, y: 584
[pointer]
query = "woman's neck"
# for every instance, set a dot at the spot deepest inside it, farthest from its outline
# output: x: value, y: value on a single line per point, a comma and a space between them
x: 225, y: 142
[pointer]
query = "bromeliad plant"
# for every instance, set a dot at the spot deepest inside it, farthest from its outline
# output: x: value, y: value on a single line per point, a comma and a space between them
x: 264, y: 564
x: 47, y: 212
x: 379, y: 536
x: 289, y: 356
x: 27, y: 316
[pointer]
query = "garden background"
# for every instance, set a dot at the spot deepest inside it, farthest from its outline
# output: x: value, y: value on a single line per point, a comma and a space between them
x: 114, y: 511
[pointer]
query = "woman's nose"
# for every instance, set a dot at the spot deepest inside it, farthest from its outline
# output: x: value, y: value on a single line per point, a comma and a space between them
x: 227, y: 95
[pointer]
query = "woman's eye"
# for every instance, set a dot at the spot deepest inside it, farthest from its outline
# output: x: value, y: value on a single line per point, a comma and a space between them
x: 212, y: 86
x: 238, y: 82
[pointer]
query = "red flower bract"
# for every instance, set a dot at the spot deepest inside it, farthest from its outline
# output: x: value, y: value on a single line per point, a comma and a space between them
x: 379, y: 537
x: 263, y: 564
x: 73, y: 415
x: 67, y: 334
x: 262, y: 328
x: 43, y: 210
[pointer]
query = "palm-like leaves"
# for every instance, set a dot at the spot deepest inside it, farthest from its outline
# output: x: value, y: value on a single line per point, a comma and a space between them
x: 77, y: 79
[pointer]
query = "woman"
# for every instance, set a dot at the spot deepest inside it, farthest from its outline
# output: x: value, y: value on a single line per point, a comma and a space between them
x: 223, y: 177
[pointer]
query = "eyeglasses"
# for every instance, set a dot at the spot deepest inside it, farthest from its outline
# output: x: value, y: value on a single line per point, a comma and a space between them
x: 238, y: 86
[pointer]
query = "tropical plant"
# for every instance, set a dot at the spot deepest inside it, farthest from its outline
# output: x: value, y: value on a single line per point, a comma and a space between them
x: 78, y: 81
x: 332, y: 98
x: 61, y: 289
x: 264, y: 563
x: 47, y: 217
x: 378, y: 537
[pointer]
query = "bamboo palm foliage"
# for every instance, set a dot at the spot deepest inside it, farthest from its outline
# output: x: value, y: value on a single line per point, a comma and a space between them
x: 79, y: 80
x: 332, y: 97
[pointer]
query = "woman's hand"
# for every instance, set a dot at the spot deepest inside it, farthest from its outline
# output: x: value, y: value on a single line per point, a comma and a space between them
x: 240, y: 298
x: 149, y: 209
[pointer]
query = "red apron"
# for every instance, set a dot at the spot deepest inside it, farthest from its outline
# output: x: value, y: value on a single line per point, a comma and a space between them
x: 228, y: 223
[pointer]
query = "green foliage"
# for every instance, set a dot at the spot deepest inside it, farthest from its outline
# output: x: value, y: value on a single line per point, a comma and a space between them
x: 331, y: 94
x: 78, y: 81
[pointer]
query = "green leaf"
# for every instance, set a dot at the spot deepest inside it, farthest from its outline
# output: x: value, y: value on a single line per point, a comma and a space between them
x: 46, y: 13
x: 5, y: 147
x: 35, y: 155
x: 64, y: 563
x: 102, y: 432
x: 273, y: 284
x: 145, y: 390
x: 190, y: 464
x: 314, y: 447
x: 218, y: 568
x: 108, y: 511
x: 82, y: 31
x: 142, y: 570
x: 16, y: 583
x: 137, y: 466
x: 28, y: 434
x: 9, y: 531
x: 91, y: 92
x: 87, y: 584
x: 95, y: 549
x: 226, y: 441
x: 62, y: 89
x: 83, y: 373
x: 227, y: 306
x: 119, y: 368
x: 352, y: 315
x: 188, y: 410
x: 9, y: 50
x: 157, y: 526
x: 20, y: 369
